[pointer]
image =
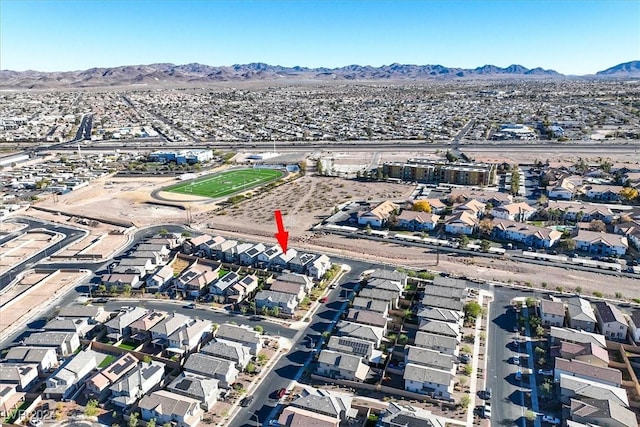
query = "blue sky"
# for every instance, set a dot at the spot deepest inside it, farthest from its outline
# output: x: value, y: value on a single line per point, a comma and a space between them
x: 572, y: 37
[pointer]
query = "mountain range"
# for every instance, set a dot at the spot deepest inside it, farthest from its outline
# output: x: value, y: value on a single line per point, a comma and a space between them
x: 170, y: 74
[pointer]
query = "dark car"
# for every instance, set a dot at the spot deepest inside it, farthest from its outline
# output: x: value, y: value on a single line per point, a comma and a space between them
x: 246, y: 401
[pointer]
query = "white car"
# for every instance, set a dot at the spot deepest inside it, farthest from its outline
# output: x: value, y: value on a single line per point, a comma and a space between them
x: 545, y: 372
x: 551, y: 420
x: 516, y: 360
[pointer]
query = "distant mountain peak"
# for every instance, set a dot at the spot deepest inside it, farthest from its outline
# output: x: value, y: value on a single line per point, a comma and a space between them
x: 631, y: 68
x: 196, y: 73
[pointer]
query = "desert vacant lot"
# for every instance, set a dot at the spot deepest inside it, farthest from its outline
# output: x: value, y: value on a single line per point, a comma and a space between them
x: 226, y: 183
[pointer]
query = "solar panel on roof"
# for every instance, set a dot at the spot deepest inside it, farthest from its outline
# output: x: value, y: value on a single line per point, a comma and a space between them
x: 185, y: 384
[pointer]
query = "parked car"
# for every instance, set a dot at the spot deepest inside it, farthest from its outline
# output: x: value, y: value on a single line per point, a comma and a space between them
x: 551, y: 420
x: 324, y: 300
x: 281, y: 392
x: 546, y: 372
x: 246, y: 401
x: 486, y: 410
x: 464, y: 358
x: 191, y: 305
x: 516, y: 360
x: 518, y: 375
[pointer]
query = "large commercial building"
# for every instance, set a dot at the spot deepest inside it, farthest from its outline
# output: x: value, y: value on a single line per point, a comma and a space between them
x: 181, y: 156
x: 425, y: 170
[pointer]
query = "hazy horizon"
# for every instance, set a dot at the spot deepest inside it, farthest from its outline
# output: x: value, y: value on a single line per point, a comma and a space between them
x: 570, y: 37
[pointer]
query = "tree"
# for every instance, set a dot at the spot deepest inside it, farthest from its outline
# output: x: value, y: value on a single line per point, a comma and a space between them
x: 126, y: 290
x: 244, y: 309
x: 542, y: 200
x: 91, y: 410
x: 531, y: 416
x: 252, y: 306
x: 515, y: 180
x: 629, y: 193
x: 464, y: 241
x: 147, y: 359
x: 403, y: 339
x: 485, y: 226
x: 368, y: 229
x: 472, y: 310
x: 485, y: 245
x: 186, y: 234
x: 251, y: 367
x: 531, y: 302
x: 568, y: 244
x: 407, y: 313
x: 319, y: 168
x: 133, y: 419
x: 421, y: 206
x: 597, y: 225
x: 467, y: 370
x: 275, y: 311
x: 259, y: 329
x: 465, y: 401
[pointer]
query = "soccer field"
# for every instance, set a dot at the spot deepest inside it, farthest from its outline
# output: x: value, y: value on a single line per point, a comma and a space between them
x: 226, y: 183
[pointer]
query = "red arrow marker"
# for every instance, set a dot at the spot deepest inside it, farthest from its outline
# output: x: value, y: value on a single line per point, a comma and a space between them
x: 282, y: 235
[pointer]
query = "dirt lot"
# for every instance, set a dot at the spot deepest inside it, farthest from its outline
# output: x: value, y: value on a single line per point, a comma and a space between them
x: 303, y: 202
x: 21, y: 248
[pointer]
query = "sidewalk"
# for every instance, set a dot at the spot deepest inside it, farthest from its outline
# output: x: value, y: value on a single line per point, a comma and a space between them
x: 531, y: 364
x: 473, y: 383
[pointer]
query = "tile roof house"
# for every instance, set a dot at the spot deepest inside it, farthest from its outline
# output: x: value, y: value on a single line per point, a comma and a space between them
x: 430, y: 381
x: 580, y: 314
x: 98, y: 385
x: 631, y: 230
x: 441, y: 328
x: 473, y: 207
x: 120, y: 326
x: 442, y: 302
x: 296, y: 417
x: 118, y: 280
x: 367, y: 317
x: 297, y: 278
x: 65, y: 343
x: 611, y: 322
x: 296, y: 289
x: 393, y: 275
x: 599, y: 243
x: 385, y: 284
x: 417, y: 221
x: 237, y: 353
x: 528, y: 234
x: 222, y: 370
x: 11, y: 398
x: 300, y: 262
x: 430, y: 358
x: 195, y: 280
x: 91, y: 312
x: 606, y: 192
x: 287, y: 303
x: 399, y: 415
x: 23, y: 376
x: 136, y: 383
x: 391, y: 297
x: 324, y: 402
x: 141, y: 328
x: 45, y: 358
x: 576, y: 368
x: 552, y: 313
x: 461, y: 223
x: 587, y: 212
x: 493, y: 197
x: 574, y: 387
x: 575, y: 336
x: 72, y: 374
x: 354, y: 346
x: 441, y: 314
x: 368, y: 304
x: 250, y: 256
x: 166, y: 407
x: 160, y: 279
x: 379, y: 215
x: 634, y: 325
x: 513, y: 211
x: 337, y: 365
x: 162, y: 330
x: 441, y: 343
x: 189, y: 336
x: 601, y: 413
x: 364, y: 332
x: 240, y: 334
x: 589, y: 353
x: 318, y: 267
x: 267, y: 257
x: 220, y: 287
x: 204, y: 390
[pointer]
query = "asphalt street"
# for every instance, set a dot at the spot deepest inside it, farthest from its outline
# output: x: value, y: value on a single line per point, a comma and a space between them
x: 290, y: 366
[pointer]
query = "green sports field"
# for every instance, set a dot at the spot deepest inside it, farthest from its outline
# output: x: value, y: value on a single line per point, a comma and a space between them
x: 226, y: 183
